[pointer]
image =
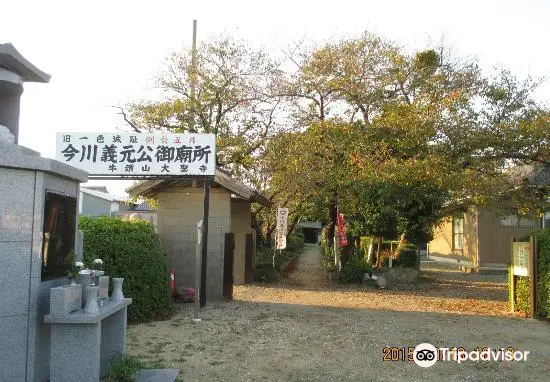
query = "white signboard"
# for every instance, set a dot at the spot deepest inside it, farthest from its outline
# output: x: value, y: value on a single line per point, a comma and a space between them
x: 143, y: 154
x: 520, y: 258
x: 282, y: 219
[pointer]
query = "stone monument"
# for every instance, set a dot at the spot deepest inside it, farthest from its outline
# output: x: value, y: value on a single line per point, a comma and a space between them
x: 38, y: 240
x: 31, y: 188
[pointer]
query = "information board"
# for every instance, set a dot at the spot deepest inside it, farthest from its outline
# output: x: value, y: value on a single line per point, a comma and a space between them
x: 520, y: 258
x: 143, y: 154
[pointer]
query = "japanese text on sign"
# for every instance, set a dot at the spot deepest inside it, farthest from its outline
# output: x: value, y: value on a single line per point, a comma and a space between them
x: 282, y: 218
x: 520, y: 258
x: 143, y: 154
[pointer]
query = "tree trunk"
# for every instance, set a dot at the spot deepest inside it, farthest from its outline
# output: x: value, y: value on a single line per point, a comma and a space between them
x: 379, y: 251
x: 293, y: 224
x: 402, y: 240
x: 333, y: 212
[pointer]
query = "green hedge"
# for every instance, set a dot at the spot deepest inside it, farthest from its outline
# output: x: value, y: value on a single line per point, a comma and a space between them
x: 295, y: 242
x: 264, y: 257
x: 353, y: 271
x: 543, y: 278
x: 131, y: 250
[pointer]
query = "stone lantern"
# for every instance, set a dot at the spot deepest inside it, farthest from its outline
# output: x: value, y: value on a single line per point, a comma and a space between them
x: 38, y: 222
x: 14, y: 70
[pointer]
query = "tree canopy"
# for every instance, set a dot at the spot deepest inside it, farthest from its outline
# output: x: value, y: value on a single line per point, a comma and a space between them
x: 397, y: 139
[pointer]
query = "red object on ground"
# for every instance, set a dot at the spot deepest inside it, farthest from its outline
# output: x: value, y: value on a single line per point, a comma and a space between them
x: 189, y: 295
x: 173, y: 280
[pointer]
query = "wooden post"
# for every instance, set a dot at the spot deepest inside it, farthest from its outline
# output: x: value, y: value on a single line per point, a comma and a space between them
x: 512, y: 277
x: 202, y: 291
x: 532, y: 277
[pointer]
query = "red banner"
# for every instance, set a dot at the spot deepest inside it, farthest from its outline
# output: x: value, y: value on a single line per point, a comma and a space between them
x: 342, y: 237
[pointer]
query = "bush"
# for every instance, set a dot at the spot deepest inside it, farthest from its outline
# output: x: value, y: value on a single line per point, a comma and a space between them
x: 295, y: 242
x: 543, y: 278
x: 522, y: 295
x: 131, y: 250
x: 407, y: 258
x: 543, y: 275
x: 353, y: 271
x: 264, y: 273
x: 125, y: 370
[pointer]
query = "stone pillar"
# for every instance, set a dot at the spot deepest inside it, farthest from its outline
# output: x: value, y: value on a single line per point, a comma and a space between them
x: 11, y: 88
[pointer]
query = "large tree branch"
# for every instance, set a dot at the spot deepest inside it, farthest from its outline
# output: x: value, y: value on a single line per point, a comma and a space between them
x: 127, y: 120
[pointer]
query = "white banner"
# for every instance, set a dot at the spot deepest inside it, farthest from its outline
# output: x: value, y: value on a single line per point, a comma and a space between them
x: 282, y: 221
x: 143, y: 154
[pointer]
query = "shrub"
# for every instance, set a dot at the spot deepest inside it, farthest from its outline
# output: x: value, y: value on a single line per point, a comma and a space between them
x: 522, y: 295
x: 125, y: 370
x: 353, y: 271
x: 407, y: 258
x: 131, y: 250
x: 295, y: 242
x: 264, y: 273
x: 543, y: 275
x: 543, y: 278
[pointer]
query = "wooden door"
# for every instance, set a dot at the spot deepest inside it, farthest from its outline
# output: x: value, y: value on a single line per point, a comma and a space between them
x: 248, y: 257
x: 228, y: 257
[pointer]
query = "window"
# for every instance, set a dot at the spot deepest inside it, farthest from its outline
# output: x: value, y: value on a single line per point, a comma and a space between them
x: 458, y: 234
x: 526, y: 223
x: 517, y: 222
x: 509, y: 221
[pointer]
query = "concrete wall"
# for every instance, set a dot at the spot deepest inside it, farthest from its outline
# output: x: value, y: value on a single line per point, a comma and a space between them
x: 92, y: 205
x: 240, y: 226
x: 179, y: 210
x: 20, y: 270
x: 24, y: 354
x: 442, y: 244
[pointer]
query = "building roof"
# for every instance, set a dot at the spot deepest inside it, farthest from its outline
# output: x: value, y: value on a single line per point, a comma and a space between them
x: 316, y: 225
x: 143, y: 206
x: 12, y: 60
x: 102, y: 195
x: 98, y: 188
x: 150, y: 188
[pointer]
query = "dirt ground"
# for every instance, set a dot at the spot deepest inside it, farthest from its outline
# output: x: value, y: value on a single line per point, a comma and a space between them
x: 304, y: 328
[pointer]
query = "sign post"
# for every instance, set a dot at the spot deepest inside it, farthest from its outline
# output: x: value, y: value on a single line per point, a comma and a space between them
x: 533, y: 276
x: 125, y: 155
x: 282, y: 223
x: 146, y: 156
x: 520, y: 258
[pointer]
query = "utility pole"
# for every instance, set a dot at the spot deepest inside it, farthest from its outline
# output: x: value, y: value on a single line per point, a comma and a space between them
x: 193, y: 78
x: 206, y: 208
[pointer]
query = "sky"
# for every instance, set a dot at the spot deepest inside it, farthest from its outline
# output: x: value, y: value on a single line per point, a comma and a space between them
x: 104, y: 53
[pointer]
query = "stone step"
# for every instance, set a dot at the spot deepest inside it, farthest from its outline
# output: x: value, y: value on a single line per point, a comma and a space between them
x: 157, y: 375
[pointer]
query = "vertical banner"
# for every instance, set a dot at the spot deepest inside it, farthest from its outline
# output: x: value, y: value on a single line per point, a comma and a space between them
x: 342, y: 237
x: 282, y: 219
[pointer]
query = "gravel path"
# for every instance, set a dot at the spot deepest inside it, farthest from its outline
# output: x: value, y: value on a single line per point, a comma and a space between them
x: 305, y: 329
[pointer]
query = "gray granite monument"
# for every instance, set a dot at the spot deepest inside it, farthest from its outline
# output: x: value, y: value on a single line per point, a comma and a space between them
x: 38, y: 225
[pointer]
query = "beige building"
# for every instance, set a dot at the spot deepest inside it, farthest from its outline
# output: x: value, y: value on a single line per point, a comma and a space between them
x: 180, y: 208
x: 478, y: 239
